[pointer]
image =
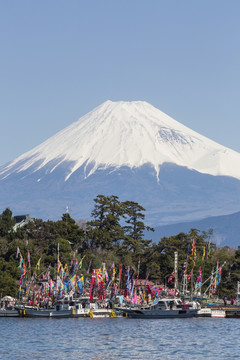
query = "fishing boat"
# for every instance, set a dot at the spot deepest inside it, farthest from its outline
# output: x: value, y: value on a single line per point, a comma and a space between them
x: 97, y: 311
x: 218, y: 313
x: 63, y: 309
x: 160, y: 309
x: 9, y: 313
x: 7, y: 307
x: 233, y: 313
x: 204, y: 312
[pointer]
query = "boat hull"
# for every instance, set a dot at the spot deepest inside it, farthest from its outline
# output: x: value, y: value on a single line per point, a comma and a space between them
x: 47, y: 313
x: 9, y: 313
x: 234, y: 314
x: 159, y: 314
x: 36, y: 313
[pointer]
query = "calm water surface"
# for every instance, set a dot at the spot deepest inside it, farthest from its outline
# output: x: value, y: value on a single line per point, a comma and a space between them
x: 200, y: 338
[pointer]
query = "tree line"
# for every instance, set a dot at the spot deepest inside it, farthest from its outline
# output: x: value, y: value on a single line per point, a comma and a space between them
x: 116, y: 233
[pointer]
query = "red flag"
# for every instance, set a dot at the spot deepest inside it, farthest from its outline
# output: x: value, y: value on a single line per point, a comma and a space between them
x: 190, y: 275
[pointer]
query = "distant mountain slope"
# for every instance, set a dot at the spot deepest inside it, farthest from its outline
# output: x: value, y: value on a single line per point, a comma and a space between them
x: 128, y: 149
x: 226, y: 229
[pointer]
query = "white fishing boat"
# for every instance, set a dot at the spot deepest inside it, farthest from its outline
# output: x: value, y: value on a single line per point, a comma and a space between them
x: 204, y: 312
x: 218, y: 313
x: 101, y: 310
x: 102, y: 313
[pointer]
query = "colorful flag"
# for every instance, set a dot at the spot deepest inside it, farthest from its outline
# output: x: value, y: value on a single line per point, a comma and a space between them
x: 208, y: 249
x: 119, y: 277
x: 190, y: 275
x: 219, y: 273
x: 18, y: 252
x: 171, y: 277
x: 73, y: 281
x: 113, y: 273
x: 80, y: 285
x: 80, y: 264
x: 199, y: 281
x: 28, y: 259
x: 193, y: 250
x: 21, y: 262
x: 38, y: 265
x: 59, y: 266
x: 93, y: 284
x: 184, y: 268
x: 209, y: 246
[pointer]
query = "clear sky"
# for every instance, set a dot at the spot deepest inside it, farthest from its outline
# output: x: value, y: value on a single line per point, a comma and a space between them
x: 60, y: 59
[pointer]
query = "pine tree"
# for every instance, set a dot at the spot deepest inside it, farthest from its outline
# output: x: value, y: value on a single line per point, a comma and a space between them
x: 134, y: 230
x: 105, y: 230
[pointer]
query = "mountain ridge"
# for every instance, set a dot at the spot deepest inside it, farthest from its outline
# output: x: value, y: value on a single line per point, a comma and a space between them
x: 226, y: 229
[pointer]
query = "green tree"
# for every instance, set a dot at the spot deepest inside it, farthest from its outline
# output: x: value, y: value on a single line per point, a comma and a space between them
x: 8, y: 278
x: 6, y: 224
x: 68, y: 229
x: 105, y: 230
x: 135, y: 227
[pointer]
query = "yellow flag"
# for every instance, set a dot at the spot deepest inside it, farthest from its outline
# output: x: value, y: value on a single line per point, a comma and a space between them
x: 38, y: 265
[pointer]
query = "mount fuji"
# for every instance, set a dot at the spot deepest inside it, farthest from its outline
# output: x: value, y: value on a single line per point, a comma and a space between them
x: 128, y: 149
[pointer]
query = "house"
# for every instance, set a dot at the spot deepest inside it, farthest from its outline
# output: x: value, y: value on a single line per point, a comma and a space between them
x: 21, y: 220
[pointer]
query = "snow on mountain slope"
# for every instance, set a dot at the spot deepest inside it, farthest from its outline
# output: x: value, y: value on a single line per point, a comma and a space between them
x: 128, y: 134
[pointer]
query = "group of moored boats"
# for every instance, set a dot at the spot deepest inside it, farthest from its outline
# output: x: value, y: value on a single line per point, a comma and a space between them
x: 161, y: 308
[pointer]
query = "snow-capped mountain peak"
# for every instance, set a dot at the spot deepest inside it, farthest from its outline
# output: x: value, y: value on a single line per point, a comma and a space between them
x: 128, y: 134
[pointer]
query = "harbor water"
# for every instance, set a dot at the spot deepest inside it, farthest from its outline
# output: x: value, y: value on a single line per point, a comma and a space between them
x: 119, y: 338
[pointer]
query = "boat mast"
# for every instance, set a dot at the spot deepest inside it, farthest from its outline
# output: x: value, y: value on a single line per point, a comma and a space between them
x: 176, y: 270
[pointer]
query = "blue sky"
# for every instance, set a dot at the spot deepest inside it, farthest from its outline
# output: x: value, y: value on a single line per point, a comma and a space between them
x: 60, y: 59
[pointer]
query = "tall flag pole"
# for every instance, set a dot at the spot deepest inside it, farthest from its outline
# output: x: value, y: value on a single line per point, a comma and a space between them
x: 89, y: 266
x: 139, y: 261
x: 176, y: 269
x: 119, y: 277
x: 58, y: 262
x: 29, y: 264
